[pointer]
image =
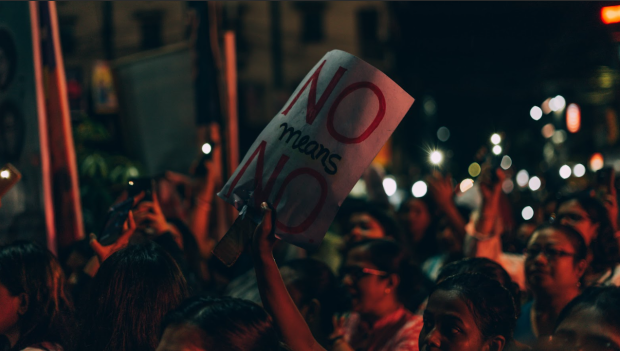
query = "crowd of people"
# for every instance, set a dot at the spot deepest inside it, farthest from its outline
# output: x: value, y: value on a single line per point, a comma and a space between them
x: 428, y: 275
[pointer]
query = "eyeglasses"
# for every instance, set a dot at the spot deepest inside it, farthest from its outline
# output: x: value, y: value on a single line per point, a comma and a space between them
x: 356, y: 273
x: 570, y: 217
x: 550, y: 253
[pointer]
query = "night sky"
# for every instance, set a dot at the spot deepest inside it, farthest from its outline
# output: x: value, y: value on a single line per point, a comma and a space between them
x: 487, y: 63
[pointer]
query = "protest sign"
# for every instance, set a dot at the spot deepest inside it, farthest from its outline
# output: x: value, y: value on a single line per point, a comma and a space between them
x: 311, y: 154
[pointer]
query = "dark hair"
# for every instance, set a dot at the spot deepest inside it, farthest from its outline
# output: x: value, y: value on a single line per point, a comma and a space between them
x: 575, y: 238
x: 128, y: 298
x: 427, y: 246
x: 486, y: 267
x: 605, y: 300
x: 315, y: 280
x: 388, y: 256
x: 385, y: 219
x: 605, y: 250
x: 227, y: 323
x: 28, y: 268
x: 490, y: 303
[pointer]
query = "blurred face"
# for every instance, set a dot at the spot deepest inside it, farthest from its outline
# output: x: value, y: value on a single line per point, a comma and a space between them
x: 366, y: 289
x: 363, y: 226
x: 182, y: 338
x: 449, y: 325
x: 446, y: 239
x: 9, y: 307
x: 549, y: 262
x: 595, y: 335
x: 418, y: 218
x: 572, y: 214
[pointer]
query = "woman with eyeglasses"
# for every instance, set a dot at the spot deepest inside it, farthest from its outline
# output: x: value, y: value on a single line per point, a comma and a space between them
x: 590, y: 218
x: 555, y: 261
x: 379, y: 278
x: 582, y: 212
x: 381, y: 281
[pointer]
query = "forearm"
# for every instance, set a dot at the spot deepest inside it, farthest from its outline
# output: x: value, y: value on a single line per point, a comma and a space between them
x: 280, y: 305
x: 457, y: 222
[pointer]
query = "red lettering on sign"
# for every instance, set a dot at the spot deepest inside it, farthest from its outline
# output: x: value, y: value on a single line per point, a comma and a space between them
x: 317, y: 208
x: 371, y: 128
x: 260, y: 194
x: 314, y: 107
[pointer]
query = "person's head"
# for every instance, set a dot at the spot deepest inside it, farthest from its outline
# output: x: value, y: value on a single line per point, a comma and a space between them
x: 589, y: 216
x: 369, y: 221
x: 590, y: 322
x: 486, y: 267
x: 555, y: 259
x: 468, y: 312
x: 378, y: 272
x: 417, y: 214
x: 202, y: 323
x: 314, y: 289
x: 33, y: 304
x: 128, y: 298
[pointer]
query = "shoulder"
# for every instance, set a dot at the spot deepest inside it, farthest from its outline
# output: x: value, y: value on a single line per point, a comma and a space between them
x: 407, y: 336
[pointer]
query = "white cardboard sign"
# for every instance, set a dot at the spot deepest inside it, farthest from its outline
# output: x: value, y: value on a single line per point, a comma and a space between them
x: 308, y: 158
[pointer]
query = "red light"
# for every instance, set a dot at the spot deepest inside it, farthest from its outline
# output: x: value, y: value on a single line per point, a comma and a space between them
x: 610, y: 14
x: 596, y: 162
x: 573, y: 118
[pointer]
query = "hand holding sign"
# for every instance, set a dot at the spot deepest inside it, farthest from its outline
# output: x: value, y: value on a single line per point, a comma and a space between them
x: 312, y: 153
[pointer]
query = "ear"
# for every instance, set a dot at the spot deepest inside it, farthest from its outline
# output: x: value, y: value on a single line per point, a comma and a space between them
x: 496, y: 343
x: 23, y: 304
x: 596, y: 226
x: 393, y: 281
x: 313, y: 311
x: 580, y: 268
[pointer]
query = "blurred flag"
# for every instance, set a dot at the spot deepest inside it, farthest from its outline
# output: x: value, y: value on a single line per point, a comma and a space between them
x: 55, y: 118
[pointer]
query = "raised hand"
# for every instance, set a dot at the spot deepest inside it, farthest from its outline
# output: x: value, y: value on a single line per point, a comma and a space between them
x: 264, y: 238
x: 103, y: 252
x: 149, y: 214
x: 441, y: 189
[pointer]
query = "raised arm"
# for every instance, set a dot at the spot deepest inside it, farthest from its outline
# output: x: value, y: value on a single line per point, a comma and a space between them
x: 273, y: 293
x: 442, y: 191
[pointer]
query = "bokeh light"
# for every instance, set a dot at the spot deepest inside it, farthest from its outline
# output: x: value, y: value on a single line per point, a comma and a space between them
x: 436, y: 157
x: 548, y: 130
x: 508, y: 186
x: 536, y: 113
x: 389, y: 185
x: 596, y: 162
x: 565, y: 171
x: 496, y: 139
x: 474, y: 169
x: 419, y: 189
x: 522, y: 178
x: 579, y: 170
x: 506, y: 162
x: 497, y: 149
x: 466, y: 184
x: 534, y: 183
x: 527, y: 213
x: 206, y: 148
x: 443, y: 134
